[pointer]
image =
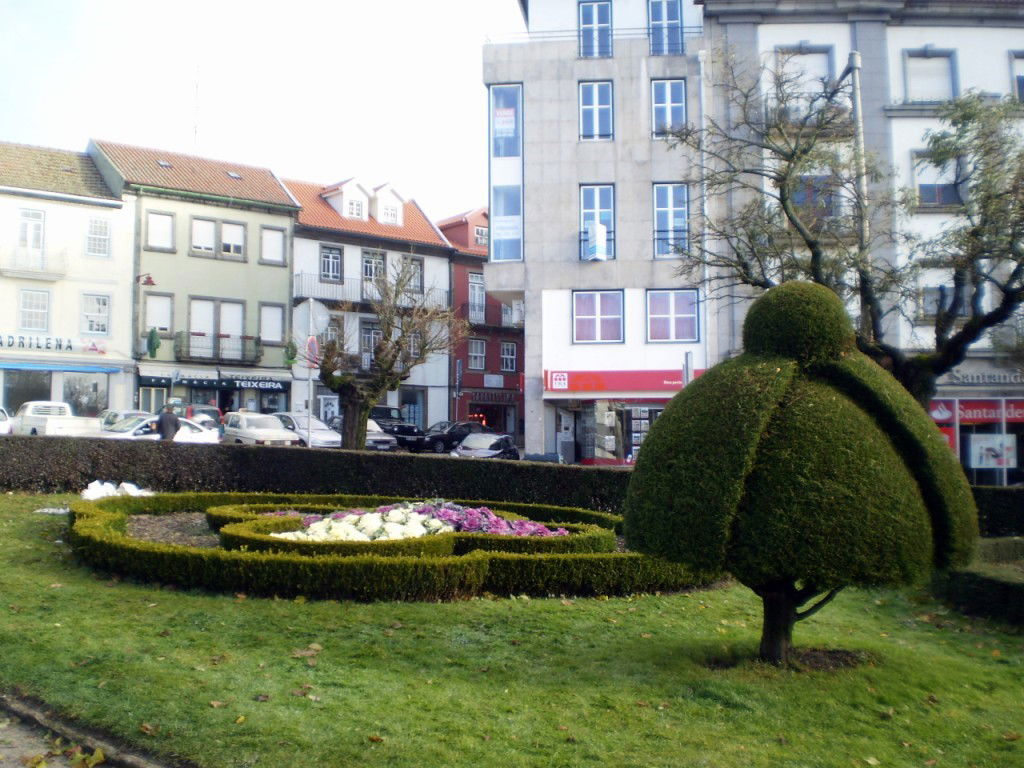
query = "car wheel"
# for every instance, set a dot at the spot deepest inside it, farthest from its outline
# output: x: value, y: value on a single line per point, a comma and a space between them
x: 437, y: 446
x: 34, y: 432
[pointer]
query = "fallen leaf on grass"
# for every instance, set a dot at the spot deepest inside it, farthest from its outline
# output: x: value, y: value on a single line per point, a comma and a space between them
x: 1011, y: 736
x: 311, y: 697
x: 563, y: 727
x: 261, y: 697
x: 643, y: 704
x: 218, y: 704
x: 887, y: 714
x: 164, y: 633
x: 149, y: 730
x: 56, y: 586
x: 933, y: 761
x: 871, y: 761
x: 240, y: 719
x: 645, y: 635
x: 376, y: 739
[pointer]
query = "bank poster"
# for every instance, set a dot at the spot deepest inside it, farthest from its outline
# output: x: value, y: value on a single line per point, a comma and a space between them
x: 993, y: 452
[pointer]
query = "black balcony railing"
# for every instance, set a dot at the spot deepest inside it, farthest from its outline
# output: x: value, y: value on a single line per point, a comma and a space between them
x: 500, y: 315
x: 196, y: 346
x: 666, y: 40
x: 607, y: 253
x: 596, y: 43
x: 669, y: 242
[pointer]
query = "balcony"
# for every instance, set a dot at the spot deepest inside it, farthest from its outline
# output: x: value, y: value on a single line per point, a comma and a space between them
x: 201, y: 347
x: 48, y: 264
x: 309, y: 285
x: 497, y: 316
x: 598, y: 251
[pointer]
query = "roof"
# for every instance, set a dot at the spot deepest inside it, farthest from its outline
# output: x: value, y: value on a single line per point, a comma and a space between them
x: 469, y: 248
x: 318, y: 213
x: 174, y: 171
x: 51, y: 170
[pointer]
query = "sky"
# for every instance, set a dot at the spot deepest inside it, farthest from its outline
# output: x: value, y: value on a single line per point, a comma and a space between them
x: 382, y: 90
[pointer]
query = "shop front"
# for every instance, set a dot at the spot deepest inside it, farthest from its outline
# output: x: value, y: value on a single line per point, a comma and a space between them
x: 497, y: 408
x: 89, y: 389
x: 227, y: 389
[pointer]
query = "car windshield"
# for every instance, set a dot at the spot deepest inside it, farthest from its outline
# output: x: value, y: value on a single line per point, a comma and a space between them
x: 128, y: 425
x: 315, y: 423
x: 388, y: 413
x: 262, y: 422
x: 440, y: 426
x: 481, y: 441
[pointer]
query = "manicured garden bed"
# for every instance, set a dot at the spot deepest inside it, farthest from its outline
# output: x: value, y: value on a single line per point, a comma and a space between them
x: 659, y: 680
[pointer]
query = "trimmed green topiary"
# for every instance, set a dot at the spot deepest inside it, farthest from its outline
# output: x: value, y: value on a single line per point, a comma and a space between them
x: 800, y: 467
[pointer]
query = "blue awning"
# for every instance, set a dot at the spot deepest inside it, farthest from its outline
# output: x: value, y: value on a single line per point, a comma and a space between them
x: 66, y: 367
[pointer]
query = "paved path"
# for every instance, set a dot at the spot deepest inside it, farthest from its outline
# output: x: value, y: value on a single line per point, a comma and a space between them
x: 22, y: 743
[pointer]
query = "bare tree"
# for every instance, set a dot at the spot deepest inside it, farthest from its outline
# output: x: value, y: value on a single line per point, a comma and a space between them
x: 781, y: 162
x: 412, y: 325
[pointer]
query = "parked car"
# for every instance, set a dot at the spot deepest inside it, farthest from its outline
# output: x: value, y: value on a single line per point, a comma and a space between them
x: 484, y: 445
x: 111, y: 416
x: 49, y: 417
x: 445, y: 435
x: 5, y: 422
x: 198, y: 412
x: 394, y: 423
x: 256, y: 429
x: 319, y: 434
x: 377, y: 439
x: 145, y: 428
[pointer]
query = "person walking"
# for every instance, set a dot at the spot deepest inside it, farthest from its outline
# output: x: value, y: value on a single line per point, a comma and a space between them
x: 167, y: 424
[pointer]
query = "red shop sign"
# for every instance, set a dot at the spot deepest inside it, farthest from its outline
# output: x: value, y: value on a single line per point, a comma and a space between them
x: 981, y: 411
x: 942, y: 411
x: 1015, y: 411
x: 615, y: 381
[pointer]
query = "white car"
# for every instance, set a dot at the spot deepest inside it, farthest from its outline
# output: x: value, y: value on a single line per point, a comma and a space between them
x: 256, y: 429
x: 377, y: 439
x: 111, y: 416
x: 145, y: 428
x: 301, y: 425
x: 5, y: 422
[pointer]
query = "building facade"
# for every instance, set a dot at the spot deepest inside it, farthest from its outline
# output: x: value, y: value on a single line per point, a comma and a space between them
x: 487, y: 366
x: 348, y: 235
x: 588, y: 206
x: 212, y: 262
x: 66, y: 282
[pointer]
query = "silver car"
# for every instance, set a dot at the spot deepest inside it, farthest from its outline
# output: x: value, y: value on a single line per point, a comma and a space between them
x: 309, y: 429
x: 145, y: 428
x: 377, y: 439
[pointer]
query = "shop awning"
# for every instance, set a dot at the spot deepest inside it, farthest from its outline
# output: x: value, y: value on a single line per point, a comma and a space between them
x: 66, y: 367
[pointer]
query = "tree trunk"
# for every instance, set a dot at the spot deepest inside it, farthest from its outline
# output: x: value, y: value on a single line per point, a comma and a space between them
x: 780, y: 606
x: 354, y: 415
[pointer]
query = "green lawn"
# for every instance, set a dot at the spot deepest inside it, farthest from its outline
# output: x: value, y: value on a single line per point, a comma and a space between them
x: 553, y: 682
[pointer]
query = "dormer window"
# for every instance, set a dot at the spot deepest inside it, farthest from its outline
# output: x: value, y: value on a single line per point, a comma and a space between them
x: 355, y: 209
x: 234, y: 175
x: 480, y: 235
x: 389, y: 214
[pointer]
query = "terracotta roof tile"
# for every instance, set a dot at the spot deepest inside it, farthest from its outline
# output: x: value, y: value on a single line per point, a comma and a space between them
x: 469, y: 218
x: 171, y: 170
x: 317, y: 212
x: 50, y: 170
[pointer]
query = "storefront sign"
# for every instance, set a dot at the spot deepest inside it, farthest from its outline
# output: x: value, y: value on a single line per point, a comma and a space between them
x: 993, y: 452
x: 942, y: 411
x: 981, y: 411
x: 982, y: 378
x: 614, y: 381
x: 53, y: 343
x: 501, y: 398
x: 266, y: 385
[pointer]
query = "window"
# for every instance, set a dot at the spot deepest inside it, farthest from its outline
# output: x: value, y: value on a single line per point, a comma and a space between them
x: 95, y: 314
x: 807, y: 70
x: 477, y: 354
x: 930, y: 75
x: 335, y: 330
x: 670, y: 219
x: 373, y: 270
x: 668, y: 106
x: 595, y: 30
x: 506, y: 120
x: 415, y: 269
x: 508, y: 356
x: 507, y: 223
x: 272, y: 323
x: 1017, y: 75
x: 158, y: 312
x: 415, y: 344
x: 272, y: 246
x: 597, y: 222
x: 232, y: 239
x: 932, y: 299
x: 936, y: 187
x: 596, y: 316
x: 355, y: 209
x: 97, y: 241
x: 390, y: 214
x: 816, y: 196
x: 330, y: 263
x: 666, y: 27
x: 477, y: 298
x: 30, y: 231
x: 596, y: 110
x: 480, y: 235
x: 370, y: 335
x: 204, y: 236
x: 35, y: 311
x: 160, y: 231
x: 672, y: 315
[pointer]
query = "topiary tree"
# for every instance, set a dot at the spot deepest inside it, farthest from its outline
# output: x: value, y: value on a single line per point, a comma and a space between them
x: 801, y: 467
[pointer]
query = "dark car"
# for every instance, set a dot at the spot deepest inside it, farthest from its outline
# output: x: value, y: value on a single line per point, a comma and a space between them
x: 484, y: 445
x: 392, y: 421
x: 445, y: 435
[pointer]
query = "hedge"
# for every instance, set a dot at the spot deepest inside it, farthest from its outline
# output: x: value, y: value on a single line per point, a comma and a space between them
x: 1000, y: 510
x: 992, y: 586
x: 97, y: 535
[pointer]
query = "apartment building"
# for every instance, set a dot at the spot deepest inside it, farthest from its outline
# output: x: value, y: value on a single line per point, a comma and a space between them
x: 487, y: 366
x: 588, y: 206
x: 65, y: 282
x: 212, y: 261
x: 347, y: 236
x: 916, y: 54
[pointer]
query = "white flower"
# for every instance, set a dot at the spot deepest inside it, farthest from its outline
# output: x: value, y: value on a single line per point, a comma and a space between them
x: 414, y: 530
x: 369, y: 523
x: 394, y: 530
x: 395, y: 516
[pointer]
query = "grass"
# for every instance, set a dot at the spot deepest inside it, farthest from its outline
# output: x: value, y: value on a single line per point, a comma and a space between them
x: 222, y: 680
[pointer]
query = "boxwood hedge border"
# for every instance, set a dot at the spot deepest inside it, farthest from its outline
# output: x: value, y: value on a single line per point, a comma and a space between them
x: 989, y: 586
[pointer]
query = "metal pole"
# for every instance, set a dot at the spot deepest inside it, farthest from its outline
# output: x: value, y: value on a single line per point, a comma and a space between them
x: 860, y: 158
x: 309, y: 380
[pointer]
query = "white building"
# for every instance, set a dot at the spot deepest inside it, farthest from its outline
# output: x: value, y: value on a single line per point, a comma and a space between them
x: 66, y: 282
x: 347, y: 235
x: 587, y: 203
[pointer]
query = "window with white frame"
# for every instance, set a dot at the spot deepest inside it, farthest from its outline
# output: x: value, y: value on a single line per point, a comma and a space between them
x: 666, y: 27
x: 672, y: 315
x: 355, y: 209
x: 95, y: 314
x: 272, y: 323
x: 596, y: 316
x: 35, y: 311
x: 807, y: 71
x: 158, y: 312
x: 1017, y: 75
x: 668, y: 106
x: 595, y: 29
x: 508, y: 356
x: 204, y: 236
x: 415, y: 344
x: 477, y: 297
x: 232, y: 239
x: 477, y: 354
x: 389, y: 214
x: 335, y: 330
x: 370, y: 335
x: 934, y: 297
x: 596, y: 110
x: 97, y: 240
x: 597, y: 221
x: 670, y: 219
x: 415, y: 268
x: 272, y: 246
x: 160, y: 231
x: 330, y: 263
x: 480, y: 235
x: 373, y: 270
x: 30, y: 230
x: 936, y: 186
x: 930, y: 75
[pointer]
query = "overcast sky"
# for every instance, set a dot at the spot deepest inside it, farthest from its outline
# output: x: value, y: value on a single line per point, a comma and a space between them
x: 385, y: 90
